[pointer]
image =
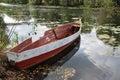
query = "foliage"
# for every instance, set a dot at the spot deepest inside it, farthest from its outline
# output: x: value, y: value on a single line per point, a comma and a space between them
x: 15, y: 1
x: 76, y: 3
x: 35, y: 2
x: 116, y: 3
x: 3, y: 36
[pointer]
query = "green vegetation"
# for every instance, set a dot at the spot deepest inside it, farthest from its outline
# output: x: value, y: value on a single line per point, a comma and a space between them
x: 15, y: 1
x: 66, y: 3
x: 3, y: 36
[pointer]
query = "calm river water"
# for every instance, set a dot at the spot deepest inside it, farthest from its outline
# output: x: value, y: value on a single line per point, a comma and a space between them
x: 98, y: 56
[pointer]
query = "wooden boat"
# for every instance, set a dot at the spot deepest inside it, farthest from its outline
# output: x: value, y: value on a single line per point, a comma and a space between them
x: 33, y: 51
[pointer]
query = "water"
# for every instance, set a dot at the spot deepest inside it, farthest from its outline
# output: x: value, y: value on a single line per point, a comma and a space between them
x: 98, y: 56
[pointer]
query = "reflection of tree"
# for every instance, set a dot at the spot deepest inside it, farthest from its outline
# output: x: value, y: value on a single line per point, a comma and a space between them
x: 18, y: 13
x: 34, y: 14
x: 35, y: 2
x: 110, y: 32
x: 109, y: 16
x: 89, y: 19
x: 41, y: 14
x: 54, y: 16
x: 3, y: 37
x: 65, y: 15
x: 116, y: 17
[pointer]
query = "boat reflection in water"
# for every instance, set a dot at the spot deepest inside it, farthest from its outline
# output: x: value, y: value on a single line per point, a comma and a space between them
x: 41, y: 70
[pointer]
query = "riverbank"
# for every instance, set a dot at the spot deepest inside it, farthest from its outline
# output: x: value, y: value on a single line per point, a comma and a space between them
x: 8, y: 72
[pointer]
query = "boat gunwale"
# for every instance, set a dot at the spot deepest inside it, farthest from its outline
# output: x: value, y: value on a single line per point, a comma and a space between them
x: 20, y: 51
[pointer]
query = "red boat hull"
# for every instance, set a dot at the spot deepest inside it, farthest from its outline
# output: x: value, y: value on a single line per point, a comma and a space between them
x: 38, y: 59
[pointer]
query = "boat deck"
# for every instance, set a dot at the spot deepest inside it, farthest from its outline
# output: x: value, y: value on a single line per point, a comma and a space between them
x: 49, y: 36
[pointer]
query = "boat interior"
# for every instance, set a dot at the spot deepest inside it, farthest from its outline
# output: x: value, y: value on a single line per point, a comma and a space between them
x: 51, y: 35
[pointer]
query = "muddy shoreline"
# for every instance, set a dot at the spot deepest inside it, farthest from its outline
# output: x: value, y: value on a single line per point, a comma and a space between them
x: 8, y: 72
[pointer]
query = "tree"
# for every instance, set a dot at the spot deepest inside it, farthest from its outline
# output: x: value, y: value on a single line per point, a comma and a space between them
x: 35, y: 2
x: 22, y: 1
x: 55, y: 2
x: 116, y: 2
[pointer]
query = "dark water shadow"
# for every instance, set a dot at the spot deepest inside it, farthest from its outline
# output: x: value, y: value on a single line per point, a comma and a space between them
x: 40, y: 71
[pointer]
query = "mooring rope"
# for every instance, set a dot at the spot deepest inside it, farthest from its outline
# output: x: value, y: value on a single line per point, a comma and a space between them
x: 12, y: 31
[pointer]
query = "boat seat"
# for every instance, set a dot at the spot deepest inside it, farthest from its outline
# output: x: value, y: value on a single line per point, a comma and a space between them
x: 35, y: 38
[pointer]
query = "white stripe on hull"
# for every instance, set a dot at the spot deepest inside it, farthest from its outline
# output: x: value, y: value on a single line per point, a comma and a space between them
x: 42, y: 49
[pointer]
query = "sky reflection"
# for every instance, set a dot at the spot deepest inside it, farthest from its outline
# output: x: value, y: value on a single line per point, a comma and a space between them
x: 19, y: 33
x: 95, y: 60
